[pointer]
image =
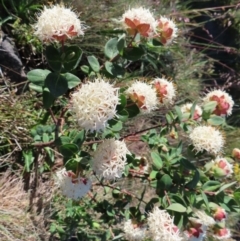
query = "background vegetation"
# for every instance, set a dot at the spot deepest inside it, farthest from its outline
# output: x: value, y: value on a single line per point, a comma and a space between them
x: 205, y: 56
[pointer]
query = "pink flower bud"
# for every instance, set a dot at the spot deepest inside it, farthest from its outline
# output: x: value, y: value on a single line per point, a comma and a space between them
x: 222, y: 168
x: 219, y: 214
x: 236, y: 153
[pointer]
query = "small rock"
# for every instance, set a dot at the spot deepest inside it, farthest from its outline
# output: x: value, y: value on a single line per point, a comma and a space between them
x: 10, y: 61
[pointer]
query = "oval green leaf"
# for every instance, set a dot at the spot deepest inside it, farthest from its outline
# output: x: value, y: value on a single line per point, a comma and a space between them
x: 111, y: 48
x: 57, y: 84
x: 177, y: 207
x: 93, y: 62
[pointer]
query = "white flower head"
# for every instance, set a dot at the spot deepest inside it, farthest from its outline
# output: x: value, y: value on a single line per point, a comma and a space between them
x: 109, y: 159
x: 143, y: 95
x: 224, y: 102
x: 222, y: 234
x: 161, y: 226
x: 207, y: 138
x: 197, y: 116
x: 94, y: 104
x: 57, y: 23
x: 72, y: 186
x: 166, y: 30
x: 165, y: 90
x: 204, y: 218
x: 133, y: 232
x: 138, y: 20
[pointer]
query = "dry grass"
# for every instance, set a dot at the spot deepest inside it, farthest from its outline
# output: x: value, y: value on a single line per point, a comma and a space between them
x: 16, y: 222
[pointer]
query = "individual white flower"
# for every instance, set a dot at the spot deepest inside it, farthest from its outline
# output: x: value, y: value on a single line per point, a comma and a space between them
x: 138, y: 20
x: 222, y: 233
x: 72, y: 186
x: 143, y: 95
x: 94, y: 104
x: 207, y: 138
x: 133, y: 231
x: 165, y: 90
x: 205, y: 219
x: 161, y: 226
x: 197, y: 115
x: 224, y: 102
x: 166, y: 30
x: 57, y: 23
x: 109, y: 159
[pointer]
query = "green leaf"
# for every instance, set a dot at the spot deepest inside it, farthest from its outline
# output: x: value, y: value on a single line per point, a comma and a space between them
x: 133, y: 53
x: 121, y: 43
x: 210, y: 106
x: 114, y: 69
x: 122, y: 115
x: 116, y: 127
x: 132, y: 110
x: 193, y: 183
x: 68, y: 150
x: 193, y: 109
x: 85, y: 69
x: 93, y: 62
x: 48, y: 99
x: 236, y: 196
x: 111, y: 48
x: 225, y: 186
x: 63, y: 140
x: 72, y: 80
x: 166, y: 181
x: 157, y: 161
x: 28, y: 160
x: 177, y: 207
x: 215, y: 120
x: 187, y: 164
x: 45, y: 137
x: 71, y: 57
x: 57, y: 84
x: 205, y: 199
x: 211, y: 186
x: 123, y: 102
x: 53, y: 58
x: 79, y: 138
x: 36, y: 88
x: 38, y: 76
x: 179, y: 112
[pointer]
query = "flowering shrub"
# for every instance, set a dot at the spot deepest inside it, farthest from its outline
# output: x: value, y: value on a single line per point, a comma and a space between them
x: 189, y: 200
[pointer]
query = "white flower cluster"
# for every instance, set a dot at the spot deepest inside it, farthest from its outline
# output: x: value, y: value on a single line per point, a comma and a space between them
x: 224, y: 102
x: 165, y: 90
x: 161, y: 226
x: 133, y: 232
x: 94, y: 104
x: 71, y: 186
x: 167, y: 30
x: 141, y: 20
x: 143, y: 95
x: 136, y: 17
x: 204, y: 218
x: 109, y: 159
x: 207, y: 138
x: 197, y: 115
x: 57, y: 23
x: 148, y: 97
